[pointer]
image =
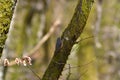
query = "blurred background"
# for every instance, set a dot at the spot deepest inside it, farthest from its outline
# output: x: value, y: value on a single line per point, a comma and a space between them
x: 37, y: 24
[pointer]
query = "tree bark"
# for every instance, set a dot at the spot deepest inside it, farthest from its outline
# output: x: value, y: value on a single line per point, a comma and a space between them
x: 65, y: 43
x: 6, y: 12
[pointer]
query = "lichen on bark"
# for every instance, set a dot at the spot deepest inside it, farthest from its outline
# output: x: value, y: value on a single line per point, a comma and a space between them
x: 6, y: 11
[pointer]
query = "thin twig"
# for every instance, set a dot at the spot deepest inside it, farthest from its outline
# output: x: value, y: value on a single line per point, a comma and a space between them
x: 82, y: 74
x: 69, y: 72
x: 33, y: 72
x: 79, y: 65
x: 84, y: 39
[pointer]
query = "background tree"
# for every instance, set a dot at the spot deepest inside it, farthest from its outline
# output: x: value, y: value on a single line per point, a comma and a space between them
x: 37, y: 24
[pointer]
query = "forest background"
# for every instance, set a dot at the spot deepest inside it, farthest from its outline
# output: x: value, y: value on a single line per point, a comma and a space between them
x: 37, y: 24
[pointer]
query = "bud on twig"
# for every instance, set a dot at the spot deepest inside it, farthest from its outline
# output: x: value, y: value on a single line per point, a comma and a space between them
x: 17, y: 61
x: 26, y: 60
x: 6, y: 62
x: 24, y: 63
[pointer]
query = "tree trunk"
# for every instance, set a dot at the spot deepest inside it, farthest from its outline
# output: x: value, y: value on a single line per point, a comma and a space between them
x: 68, y: 39
x: 6, y: 12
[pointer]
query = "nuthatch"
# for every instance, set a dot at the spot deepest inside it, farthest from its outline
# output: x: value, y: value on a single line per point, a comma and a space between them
x: 58, y: 44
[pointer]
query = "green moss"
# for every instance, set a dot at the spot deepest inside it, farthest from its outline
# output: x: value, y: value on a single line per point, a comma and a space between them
x: 6, y: 11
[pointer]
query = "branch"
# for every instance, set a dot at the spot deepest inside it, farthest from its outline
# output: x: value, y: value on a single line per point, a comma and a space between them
x: 68, y: 39
x: 45, y: 38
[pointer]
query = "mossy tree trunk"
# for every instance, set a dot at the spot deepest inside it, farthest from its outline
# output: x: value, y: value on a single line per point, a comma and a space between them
x: 68, y: 39
x: 6, y: 12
